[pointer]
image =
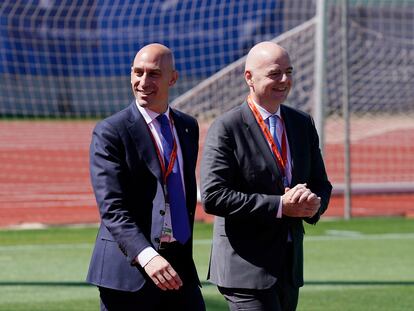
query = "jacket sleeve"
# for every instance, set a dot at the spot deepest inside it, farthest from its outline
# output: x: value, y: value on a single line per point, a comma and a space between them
x: 221, y: 193
x: 109, y: 176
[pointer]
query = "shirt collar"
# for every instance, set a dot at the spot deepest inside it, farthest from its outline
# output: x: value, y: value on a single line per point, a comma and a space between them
x: 150, y: 115
x: 264, y: 113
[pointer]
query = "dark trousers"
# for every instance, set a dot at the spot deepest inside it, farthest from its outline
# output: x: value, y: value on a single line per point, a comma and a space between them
x: 150, y: 298
x: 282, y: 296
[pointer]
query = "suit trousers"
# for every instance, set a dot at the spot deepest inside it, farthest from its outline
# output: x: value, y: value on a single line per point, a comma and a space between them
x: 282, y: 296
x: 150, y: 298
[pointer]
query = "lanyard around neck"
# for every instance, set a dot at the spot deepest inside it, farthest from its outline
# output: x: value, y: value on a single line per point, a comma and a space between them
x: 173, y: 156
x: 281, y: 159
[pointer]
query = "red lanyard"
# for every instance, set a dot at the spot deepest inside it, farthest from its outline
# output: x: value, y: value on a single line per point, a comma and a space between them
x: 173, y: 156
x: 280, y: 159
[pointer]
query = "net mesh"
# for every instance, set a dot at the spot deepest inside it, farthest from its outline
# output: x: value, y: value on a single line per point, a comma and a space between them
x: 68, y: 58
x: 65, y: 63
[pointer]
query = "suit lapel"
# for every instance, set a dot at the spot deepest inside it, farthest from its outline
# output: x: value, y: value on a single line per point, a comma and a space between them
x: 262, y: 144
x: 140, y: 133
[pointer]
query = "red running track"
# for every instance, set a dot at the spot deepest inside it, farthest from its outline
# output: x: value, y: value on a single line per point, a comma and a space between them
x: 44, y: 175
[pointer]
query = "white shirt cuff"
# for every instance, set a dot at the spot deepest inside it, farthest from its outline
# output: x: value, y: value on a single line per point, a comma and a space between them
x: 146, y: 255
x: 279, y: 210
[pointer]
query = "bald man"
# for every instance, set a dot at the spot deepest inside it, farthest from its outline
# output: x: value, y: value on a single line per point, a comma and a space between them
x: 262, y: 175
x: 142, y: 166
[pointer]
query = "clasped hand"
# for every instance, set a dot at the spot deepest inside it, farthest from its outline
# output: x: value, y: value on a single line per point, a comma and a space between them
x: 300, y: 201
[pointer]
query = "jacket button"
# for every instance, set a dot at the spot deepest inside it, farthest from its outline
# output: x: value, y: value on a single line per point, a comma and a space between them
x: 157, y: 240
x: 162, y: 212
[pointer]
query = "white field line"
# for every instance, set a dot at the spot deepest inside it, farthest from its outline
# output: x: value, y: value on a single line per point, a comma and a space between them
x: 47, y: 247
x: 351, y: 236
x: 385, y: 236
x: 369, y: 237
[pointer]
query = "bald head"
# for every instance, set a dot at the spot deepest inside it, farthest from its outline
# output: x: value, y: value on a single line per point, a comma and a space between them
x: 157, y: 51
x: 268, y: 73
x: 263, y: 53
x: 152, y: 75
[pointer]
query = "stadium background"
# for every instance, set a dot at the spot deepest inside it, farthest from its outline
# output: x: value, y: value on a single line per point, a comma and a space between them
x: 65, y: 64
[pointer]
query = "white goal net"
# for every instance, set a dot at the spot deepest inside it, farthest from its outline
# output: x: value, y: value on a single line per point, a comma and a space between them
x: 65, y: 64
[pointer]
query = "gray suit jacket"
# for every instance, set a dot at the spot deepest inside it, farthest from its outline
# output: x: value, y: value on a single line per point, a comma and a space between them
x: 242, y: 186
x: 127, y: 181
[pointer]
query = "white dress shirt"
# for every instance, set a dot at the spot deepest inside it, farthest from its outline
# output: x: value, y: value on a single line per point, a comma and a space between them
x: 265, y: 115
x: 150, y: 118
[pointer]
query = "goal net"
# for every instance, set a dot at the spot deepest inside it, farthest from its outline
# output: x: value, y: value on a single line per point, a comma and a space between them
x: 64, y: 58
x: 64, y: 64
x: 380, y: 48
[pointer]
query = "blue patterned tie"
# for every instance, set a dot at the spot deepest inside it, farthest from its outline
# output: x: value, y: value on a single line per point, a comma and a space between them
x: 176, y: 198
x: 273, y: 131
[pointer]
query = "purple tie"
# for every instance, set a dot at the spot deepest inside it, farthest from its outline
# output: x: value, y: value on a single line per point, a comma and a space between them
x: 176, y: 198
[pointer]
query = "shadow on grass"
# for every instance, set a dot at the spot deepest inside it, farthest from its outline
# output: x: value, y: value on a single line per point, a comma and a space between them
x: 207, y: 284
x: 58, y: 283
x: 43, y: 283
x: 362, y: 283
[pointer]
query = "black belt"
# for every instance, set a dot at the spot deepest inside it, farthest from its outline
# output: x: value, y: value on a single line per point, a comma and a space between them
x: 169, y: 245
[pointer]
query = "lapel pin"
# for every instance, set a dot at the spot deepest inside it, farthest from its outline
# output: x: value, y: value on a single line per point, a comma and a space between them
x: 186, y: 130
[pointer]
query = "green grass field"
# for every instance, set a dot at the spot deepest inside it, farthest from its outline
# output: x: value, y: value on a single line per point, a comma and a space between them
x: 363, y: 264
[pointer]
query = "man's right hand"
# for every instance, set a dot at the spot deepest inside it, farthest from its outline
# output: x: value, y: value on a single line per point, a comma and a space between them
x: 162, y: 274
x: 300, y: 202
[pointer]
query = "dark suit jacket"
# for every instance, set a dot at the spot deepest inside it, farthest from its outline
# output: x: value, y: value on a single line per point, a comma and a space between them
x: 242, y: 186
x: 127, y: 181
